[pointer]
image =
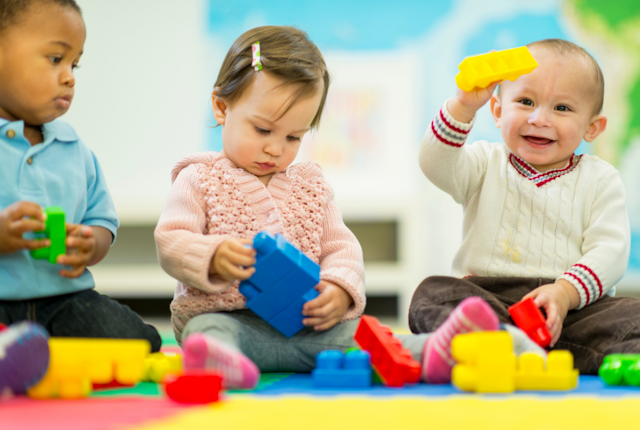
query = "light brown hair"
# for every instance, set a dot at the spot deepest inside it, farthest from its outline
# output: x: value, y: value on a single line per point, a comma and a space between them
x: 564, y: 47
x: 286, y: 53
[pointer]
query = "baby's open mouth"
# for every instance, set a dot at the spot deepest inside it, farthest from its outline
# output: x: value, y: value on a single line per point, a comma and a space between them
x: 538, y: 140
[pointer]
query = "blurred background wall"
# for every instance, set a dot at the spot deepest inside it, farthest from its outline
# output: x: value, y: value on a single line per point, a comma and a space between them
x: 143, y: 102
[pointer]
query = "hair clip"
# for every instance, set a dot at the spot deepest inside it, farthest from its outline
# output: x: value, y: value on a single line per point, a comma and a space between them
x: 255, y: 51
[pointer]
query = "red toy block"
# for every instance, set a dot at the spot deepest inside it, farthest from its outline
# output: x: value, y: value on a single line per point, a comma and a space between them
x: 195, y: 386
x: 391, y: 361
x: 529, y: 319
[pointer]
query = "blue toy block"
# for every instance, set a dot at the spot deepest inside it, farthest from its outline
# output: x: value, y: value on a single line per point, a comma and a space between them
x: 283, y: 282
x: 337, y: 370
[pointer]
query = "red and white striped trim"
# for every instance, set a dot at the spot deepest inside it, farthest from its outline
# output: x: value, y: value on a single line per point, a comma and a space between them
x: 586, y: 281
x: 449, y: 131
x: 539, y: 179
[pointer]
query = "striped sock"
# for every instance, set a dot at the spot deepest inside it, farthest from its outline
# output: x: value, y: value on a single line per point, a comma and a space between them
x: 202, y: 351
x: 472, y: 314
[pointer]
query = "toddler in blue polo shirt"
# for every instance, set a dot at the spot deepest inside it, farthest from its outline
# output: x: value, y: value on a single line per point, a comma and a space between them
x: 44, y: 163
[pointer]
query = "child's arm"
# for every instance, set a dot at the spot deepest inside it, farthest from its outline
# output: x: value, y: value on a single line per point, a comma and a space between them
x: 341, y: 287
x: 605, y: 253
x: 19, y: 218
x: 184, y: 251
x: 445, y: 160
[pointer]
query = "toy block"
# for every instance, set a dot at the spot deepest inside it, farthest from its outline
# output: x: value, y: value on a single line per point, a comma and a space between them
x: 157, y: 365
x: 283, y: 282
x: 479, y: 71
x: 335, y: 369
x: 76, y: 363
x: 559, y: 373
x: 486, y: 363
x: 529, y: 319
x: 194, y: 386
x: 389, y: 359
x: 56, y: 232
x: 620, y: 369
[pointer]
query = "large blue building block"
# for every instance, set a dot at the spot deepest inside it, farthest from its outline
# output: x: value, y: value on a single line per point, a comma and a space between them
x: 283, y: 282
x: 337, y: 370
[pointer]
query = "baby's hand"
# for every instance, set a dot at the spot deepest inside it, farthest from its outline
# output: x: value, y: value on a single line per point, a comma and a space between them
x: 17, y: 219
x: 81, y: 247
x: 328, y: 308
x: 465, y: 104
x: 557, y: 300
x: 234, y: 260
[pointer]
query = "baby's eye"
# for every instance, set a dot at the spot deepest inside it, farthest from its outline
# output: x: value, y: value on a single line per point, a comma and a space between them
x: 563, y: 108
x: 293, y: 138
x: 75, y: 66
x: 55, y: 60
x: 262, y: 131
x: 526, y: 102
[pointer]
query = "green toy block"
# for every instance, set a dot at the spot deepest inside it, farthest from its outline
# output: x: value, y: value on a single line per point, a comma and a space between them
x: 56, y: 232
x: 621, y: 369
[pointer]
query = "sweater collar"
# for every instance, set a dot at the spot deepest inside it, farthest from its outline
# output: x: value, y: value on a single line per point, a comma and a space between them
x: 540, y: 179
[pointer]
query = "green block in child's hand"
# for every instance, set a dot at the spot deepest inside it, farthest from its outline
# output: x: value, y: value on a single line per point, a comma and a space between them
x: 56, y: 232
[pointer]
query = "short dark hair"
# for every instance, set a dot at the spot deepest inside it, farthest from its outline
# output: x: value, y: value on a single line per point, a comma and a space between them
x: 286, y: 53
x: 10, y: 10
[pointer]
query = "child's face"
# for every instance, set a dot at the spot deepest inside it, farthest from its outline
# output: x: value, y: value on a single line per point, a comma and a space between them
x: 37, y: 57
x: 255, y: 134
x: 545, y: 114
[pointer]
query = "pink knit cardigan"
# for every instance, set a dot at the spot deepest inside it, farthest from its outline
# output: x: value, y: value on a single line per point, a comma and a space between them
x: 212, y: 200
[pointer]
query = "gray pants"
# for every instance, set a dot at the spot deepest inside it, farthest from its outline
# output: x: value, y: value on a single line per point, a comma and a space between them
x: 272, y: 352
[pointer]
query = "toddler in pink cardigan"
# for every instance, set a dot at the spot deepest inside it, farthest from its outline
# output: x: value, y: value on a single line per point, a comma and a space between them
x: 270, y: 91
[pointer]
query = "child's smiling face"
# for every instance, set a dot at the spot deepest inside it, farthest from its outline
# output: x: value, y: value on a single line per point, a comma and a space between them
x: 545, y: 114
x: 37, y: 56
x: 257, y: 134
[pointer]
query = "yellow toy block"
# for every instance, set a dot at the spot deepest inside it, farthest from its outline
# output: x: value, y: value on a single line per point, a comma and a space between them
x: 486, y: 362
x: 479, y: 71
x: 159, y: 364
x: 559, y: 374
x: 76, y: 363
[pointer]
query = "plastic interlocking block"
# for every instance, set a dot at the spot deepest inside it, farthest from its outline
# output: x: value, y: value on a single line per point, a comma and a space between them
x: 479, y: 71
x: 283, y: 282
x: 194, y: 386
x: 393, y: 363
x: 529, y: 319
x: 620, y: 369
x: 76, y: 363
x: 56, y: 232
x: 157, y: 365
x: 335, y: 369
x: 487, y: 364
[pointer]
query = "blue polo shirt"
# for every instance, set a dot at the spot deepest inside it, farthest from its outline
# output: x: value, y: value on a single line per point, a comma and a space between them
x: 61, y: 171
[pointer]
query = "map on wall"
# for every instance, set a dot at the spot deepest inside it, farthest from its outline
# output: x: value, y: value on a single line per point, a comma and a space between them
x: 438, y: 34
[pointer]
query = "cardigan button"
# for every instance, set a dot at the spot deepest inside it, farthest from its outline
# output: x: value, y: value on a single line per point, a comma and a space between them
x: 11, y: 134
x: 29, y: 160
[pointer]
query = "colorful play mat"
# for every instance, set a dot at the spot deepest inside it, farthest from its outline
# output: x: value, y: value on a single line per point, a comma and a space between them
x: 290, y: 401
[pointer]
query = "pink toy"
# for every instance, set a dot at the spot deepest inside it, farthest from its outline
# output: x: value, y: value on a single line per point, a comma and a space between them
x: 528, y: 317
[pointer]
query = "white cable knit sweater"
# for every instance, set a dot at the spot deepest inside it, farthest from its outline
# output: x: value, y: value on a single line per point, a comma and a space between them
x: 569, y: 223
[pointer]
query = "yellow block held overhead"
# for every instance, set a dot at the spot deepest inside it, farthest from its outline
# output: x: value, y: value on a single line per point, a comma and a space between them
x: 76, y: 363
x: 479, y: 71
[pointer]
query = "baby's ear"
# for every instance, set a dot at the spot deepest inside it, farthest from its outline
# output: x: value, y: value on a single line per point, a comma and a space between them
x: 496, y: 109
x: 598, y: 125
x: 219, y: 109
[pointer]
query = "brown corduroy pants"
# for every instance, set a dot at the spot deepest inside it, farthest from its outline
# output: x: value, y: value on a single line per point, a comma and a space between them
x: 610, y: 325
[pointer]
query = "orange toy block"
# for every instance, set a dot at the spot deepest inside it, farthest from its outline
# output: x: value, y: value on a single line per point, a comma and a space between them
x: 393, y: 363
x: 479, y: 71
x: 76, y: 363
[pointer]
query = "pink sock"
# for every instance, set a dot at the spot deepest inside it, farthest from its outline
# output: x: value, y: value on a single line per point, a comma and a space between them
x: 205, y: 352
x: 472, y: 314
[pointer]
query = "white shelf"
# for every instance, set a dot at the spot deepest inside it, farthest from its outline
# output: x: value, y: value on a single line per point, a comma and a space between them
x: 133, y: 280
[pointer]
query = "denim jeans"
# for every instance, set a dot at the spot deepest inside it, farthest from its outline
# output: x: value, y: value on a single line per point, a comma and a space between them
x: 82, y: 314
x: 244, y: 331
x: 608, y: 326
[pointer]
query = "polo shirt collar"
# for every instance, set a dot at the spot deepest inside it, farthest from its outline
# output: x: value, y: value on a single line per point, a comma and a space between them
x: 58, y: 130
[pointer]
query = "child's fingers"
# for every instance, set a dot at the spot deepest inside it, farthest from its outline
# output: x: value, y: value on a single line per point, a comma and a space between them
x: 241, y: 259
x: 73, y: 273
x: 236, y: 272
x: 26, y: 209
x: 23, y: 225
x: 315, y: 304
x: 240, y: 246
x: 74, y: 260
x: 326, y: 325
